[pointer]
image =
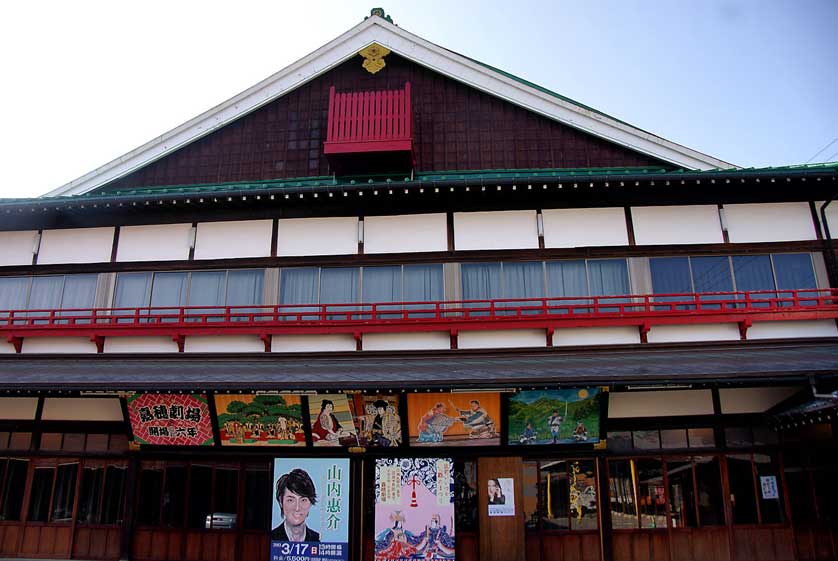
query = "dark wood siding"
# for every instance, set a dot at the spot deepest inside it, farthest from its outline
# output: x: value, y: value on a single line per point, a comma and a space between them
x: 456, y: 128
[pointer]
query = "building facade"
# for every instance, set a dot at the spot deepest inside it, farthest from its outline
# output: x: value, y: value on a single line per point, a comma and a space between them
x: 391, y: 266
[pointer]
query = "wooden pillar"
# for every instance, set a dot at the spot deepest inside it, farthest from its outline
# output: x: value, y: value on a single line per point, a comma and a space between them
x: 126, y: 535
x: 501, y: 537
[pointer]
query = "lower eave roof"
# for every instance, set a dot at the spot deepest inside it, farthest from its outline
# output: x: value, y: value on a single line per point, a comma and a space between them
x: 422, y: 180
x: 750, y: 362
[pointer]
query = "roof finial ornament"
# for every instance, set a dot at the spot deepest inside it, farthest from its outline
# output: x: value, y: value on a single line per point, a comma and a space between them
x: 380, y: 13
x: 374, y: 57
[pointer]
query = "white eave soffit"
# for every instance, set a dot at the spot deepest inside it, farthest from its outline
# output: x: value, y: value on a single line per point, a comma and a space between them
x: 376, y: 30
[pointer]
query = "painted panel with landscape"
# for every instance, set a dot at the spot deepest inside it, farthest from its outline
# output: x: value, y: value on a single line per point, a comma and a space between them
x: 565, y: 416
x: 260, y: 420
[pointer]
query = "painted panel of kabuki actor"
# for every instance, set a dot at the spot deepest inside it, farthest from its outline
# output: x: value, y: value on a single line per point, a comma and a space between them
x: 414, y: 509
x: 377, y: 419
x: 565, y: 416
x: 332, y: 422
x: 454, y: 419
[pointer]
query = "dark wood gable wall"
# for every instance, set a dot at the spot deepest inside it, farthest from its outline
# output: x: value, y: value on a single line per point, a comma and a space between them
x: 456, y: 128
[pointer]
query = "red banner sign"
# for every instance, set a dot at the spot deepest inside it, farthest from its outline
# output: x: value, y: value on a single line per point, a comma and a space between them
x: 170, y: 419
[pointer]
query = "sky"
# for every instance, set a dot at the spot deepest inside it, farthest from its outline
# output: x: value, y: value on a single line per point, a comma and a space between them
x: 751, y: 82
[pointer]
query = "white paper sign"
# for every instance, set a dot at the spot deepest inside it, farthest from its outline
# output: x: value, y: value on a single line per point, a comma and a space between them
x: 501, y: 496
x: 769, y: 487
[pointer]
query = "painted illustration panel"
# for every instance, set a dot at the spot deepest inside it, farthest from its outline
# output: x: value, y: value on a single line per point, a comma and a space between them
x: 377, y: 419
x: 414, y: 509
x: 260, y: 420
x: 310, y: 513
x: 566, y: 416
x: 331, y: 420
x: 454, y: 419
x: 170, y: 419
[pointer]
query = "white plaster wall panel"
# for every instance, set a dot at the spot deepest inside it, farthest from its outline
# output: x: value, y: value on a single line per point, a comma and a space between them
x: 318, y: 236
x: 6, y: 347
x: 54, y: 345
x: 140, y: 345
x: 158, y: 242
x: 17, y: 248
x: 792, y: 329
x: 312, y: 343
x: 18, y: 408
x: 228, y: 240
x: 769, y: 222
x: 407, y: 341
x: 76, y: 245
x: 665, y: 225
x: 224, y: 344
x: 595, y: 336
x: 660, y: 404
x: 690, y: 333
x: 407, y: 233
x: 509, y: 229
x: 506, y: 339
x: 831, y: 218
x: 82, y: 409
x: 753, y: 400
x: 584, y: 227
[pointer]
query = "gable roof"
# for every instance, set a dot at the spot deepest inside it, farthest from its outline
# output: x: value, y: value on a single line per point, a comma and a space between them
x: 378, y: 30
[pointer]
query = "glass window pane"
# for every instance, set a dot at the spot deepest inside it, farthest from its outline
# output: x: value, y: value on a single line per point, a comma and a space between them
x: 257, y: 486
x: 42, y: 479
x: 739, y: 437
x: 168, y: 289
x: 753, y: 272
x: 339, y: 285
x: 554, y: 495
x: 46, y: 293
x: 708, y: 477
x: 149, y: 494
x: 174, y: 496
x: 673, y: 438
x: 622, y: 496
x: 382, y: 284
x: 608, y: 277
x: 245, y: 288
x: 650, y: 493
x: 523, y: 280
x: 13, y: 293
x: 132, y: 290
x: 20, y: 441
x: 65, y: 493
x: 298, y: 286
x: 208, y: 288
x: 583, y: 499
x: 51, y: 440
x: 481, y: 281
x: 465, y: 495
x: 770, y: 491
x: 825, y: 476
x: 646, y: 440
x: 79, y: 291
x: 670, y: 275
x: 566, y: 278
x: 741, y: 477
x: 90, y: 494
x: 701, y: 438
x: 794, y: 270
x: 114, y: 500
x: 423, y: 283
x: 200, y: 496
x: 73, y: 442
x: 619, y: 441
x: 711, y: 274
x: 226, y: 498
x: 13, y: 487
x: 96, y: 443
x: 681, y: 494
x: 530, y: 492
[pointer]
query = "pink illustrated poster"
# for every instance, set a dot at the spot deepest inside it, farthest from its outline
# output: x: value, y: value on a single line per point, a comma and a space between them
x: 170, y: 419
x: 414, y: 509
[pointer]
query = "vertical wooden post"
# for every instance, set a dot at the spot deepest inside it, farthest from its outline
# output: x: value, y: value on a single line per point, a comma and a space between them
x: 126, y: 535
x: 501, y: 537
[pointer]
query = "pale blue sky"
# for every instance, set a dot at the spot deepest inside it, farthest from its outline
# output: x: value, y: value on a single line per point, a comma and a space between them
x: 752, y: 82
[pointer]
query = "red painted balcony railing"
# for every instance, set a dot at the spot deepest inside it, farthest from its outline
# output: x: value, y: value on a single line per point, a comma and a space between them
x: 377, y: 121
x: 643, y: 311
